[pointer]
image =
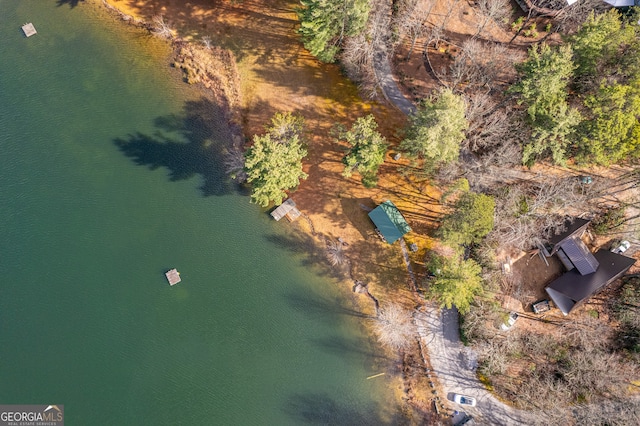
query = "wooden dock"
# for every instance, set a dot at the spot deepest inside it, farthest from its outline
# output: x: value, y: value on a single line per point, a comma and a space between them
x: 29, y: 29
x: 287, y: 209
x: 173, y: 276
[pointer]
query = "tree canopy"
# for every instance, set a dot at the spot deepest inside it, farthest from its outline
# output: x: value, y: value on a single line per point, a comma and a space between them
x: 582, y: 97
x: 470, y: 220
x: 454, y: 281
x: 325, y: 23
x: 607, y: 56
x: 367, y: 150
x: 436, y: 130
x: 274, y: 162
x: 543, y: 89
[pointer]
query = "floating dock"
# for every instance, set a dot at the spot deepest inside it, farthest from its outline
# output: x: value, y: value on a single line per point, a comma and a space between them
x: 173, y: 276
x: 29, y: 29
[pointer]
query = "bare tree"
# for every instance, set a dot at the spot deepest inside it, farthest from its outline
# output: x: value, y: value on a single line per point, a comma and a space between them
x: 528, y: 211
x: 452, y: 6
x: 571, y: 17
x: 395, y: 327
x: 234, y: 164
x: 620, y: 412
x: 161, y: 27
x: 411, y: 21
x: 358, y: 52
x: 335, y: 253
x: 496, y: 10
x: 357, y: 60
x: 207, y: 42
x: 480, y: 67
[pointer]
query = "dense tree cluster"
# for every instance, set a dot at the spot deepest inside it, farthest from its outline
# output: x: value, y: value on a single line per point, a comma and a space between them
x: 582, y: 98
x: 579, y: 100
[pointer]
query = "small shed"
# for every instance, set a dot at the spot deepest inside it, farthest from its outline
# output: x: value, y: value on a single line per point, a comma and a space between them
x: 389, y: 221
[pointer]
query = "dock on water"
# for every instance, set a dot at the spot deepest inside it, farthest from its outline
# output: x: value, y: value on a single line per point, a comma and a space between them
x: 173, y: 276
x: 29, y: 29
x: 287, y: 209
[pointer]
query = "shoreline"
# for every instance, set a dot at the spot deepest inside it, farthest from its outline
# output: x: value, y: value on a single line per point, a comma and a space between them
x: 407, y: 396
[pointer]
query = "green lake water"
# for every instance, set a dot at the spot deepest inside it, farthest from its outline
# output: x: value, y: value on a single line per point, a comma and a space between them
x: 109, y: 176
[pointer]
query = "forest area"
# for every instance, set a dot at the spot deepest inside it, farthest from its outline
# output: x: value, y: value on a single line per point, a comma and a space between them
x: 520, y: 131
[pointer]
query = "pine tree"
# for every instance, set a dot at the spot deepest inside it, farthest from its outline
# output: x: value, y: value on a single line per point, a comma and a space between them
x: 367, y: 150
x: 454, y: 282
x: 470, y: 220
x: 325, y: 23
x: 436, y: 130
x: 274, y: 162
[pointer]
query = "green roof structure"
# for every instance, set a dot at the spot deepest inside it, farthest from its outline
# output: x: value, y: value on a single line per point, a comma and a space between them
x: 389, y: 221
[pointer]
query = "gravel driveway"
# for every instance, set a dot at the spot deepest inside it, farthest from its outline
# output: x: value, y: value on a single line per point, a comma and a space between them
x: 455, y: 365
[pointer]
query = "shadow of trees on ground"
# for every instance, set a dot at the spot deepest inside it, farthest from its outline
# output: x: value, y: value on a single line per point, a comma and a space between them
x: 200, y: 151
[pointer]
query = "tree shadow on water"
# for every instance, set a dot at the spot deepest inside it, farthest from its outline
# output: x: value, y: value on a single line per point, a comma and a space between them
x: 317, y: 305
x: 71, y: 3
x: 315, y: 408
x: 342, y: 346
x: 200, y: 150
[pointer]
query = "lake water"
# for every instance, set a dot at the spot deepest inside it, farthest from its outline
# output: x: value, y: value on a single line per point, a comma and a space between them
x: 109, y: 176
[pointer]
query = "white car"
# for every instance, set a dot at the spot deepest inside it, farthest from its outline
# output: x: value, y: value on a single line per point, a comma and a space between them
x: 464, y: 400
x: 513, y: 317
x: 624, y: 246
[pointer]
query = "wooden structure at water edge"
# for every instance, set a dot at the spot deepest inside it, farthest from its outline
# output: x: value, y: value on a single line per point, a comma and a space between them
x: 29, y: 29
x: 173, y: 276
x: 287, y: 209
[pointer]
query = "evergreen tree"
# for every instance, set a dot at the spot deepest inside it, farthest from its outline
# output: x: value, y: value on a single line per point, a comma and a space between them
x: 274, y: 162
x: 436, y: 130
x: 470, y: 220
x: 454, y: 281
x: 612, y: 133
x: 367, y: 150
x: 607, y: 55
x: 325, y: 23
x: 543, y: 89
x: 600, y: 43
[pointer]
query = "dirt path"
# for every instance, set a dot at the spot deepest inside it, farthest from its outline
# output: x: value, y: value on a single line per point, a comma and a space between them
x: 388, y: 85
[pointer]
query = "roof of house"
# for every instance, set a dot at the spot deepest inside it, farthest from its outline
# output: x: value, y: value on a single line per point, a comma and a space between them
x: 572, y: 288
x: 389, y: 221
x: 620, y: 3
x: 579, y: 255
x: 573, y: 227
